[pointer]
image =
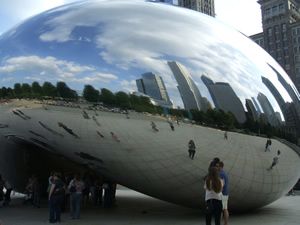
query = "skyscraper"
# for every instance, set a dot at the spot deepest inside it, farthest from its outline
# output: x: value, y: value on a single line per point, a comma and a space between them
x: 189, y: 92
x: 252, y: 112
x: 281, y: 34
x: 153, y: 85
x: 268, y: 109
x: 203, y: 6
x: 225, y: 98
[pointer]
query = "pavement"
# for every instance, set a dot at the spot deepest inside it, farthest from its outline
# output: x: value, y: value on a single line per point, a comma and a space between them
x: 137, y: 209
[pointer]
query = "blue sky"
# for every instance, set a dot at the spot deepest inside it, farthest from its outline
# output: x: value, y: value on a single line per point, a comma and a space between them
x: 244, y: 15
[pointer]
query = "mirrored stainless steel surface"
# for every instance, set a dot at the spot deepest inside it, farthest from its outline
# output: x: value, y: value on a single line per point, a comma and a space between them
x: 203, y: 63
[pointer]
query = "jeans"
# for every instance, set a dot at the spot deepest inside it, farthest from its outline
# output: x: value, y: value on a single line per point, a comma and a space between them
x: 75, y: 202
x: 218, y: 207
x: 98, y: 197
x: 55, y: 207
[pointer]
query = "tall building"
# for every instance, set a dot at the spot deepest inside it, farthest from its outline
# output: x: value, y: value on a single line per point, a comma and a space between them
x: 225, y: 98
x: 281, y: 34
x: 153, y: 86
x: 252, y: 112
x: 188, y: 90
x: 268, y: 109
x: 203, y: 6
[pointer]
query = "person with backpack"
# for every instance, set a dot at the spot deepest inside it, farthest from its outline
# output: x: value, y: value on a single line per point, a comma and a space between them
x: 56, y: 198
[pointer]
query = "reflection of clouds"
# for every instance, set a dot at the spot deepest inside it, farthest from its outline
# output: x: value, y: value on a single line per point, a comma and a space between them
x: 121, y: 40
x: 7, y: 79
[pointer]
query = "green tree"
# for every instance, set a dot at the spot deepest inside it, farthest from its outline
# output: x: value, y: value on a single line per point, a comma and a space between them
x: 122, y: 99
x: 90, y: 93
x: 26, y: 89
x: 49, y: 89
x: 64, y: 91
x: 36, y: 88
x: 107, y: 97
x: 17, y: 90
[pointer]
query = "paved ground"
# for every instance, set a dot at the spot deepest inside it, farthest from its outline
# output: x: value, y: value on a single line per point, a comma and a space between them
x: 135, y: 208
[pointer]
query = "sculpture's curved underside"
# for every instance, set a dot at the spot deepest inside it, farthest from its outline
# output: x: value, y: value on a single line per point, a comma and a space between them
x: 110, y: 44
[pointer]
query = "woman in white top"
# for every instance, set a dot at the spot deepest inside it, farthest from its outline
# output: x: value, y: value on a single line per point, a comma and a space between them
x: 213, y: 192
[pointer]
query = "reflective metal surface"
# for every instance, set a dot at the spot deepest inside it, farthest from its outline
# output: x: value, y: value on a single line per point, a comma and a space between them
x: 200, y: 60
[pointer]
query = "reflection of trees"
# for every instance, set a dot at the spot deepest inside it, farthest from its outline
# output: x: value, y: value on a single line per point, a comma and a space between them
x: 37, y: 91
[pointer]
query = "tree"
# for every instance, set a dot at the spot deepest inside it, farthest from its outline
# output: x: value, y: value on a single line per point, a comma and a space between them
x: 90, y: 93
x: 17, y: 89
x: 36, y: 88
x: 49, y: 89
x: 107, y: 97
x: 64, y: 91
x: 122, y: 99
x: 26, y: 89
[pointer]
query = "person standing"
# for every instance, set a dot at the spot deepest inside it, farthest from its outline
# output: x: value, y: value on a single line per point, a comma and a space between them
x: 225, y: 135
x: 225, y: 191
x: 275, y: 160
x: 8, y: 188
x: 268, y: 145
x: 55, y: 198
x: 76, y: 196
x: 213, y: 193
x: 192, y: 149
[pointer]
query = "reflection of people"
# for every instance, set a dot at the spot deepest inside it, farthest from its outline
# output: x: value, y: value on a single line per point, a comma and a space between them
x: 114, y: 137
x: 213, y: 193
x: 171, y: 125
x: 153, y: 125
x: 88, y: 156
x: 268, y: 145
x: 225, y: 135
x: 225, y: 191
x: 275, y: 160
x: 192, y: 149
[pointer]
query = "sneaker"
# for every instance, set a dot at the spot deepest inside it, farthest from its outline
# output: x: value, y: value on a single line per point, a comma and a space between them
x: 71, y: 217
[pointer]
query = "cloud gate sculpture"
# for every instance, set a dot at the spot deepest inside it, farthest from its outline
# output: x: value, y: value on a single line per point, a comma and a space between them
x: 124, y: 46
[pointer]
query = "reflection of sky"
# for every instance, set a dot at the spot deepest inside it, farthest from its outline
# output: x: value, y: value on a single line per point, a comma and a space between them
x: 111, y: 43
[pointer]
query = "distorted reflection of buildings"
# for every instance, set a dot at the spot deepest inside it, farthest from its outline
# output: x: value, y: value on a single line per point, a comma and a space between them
x: 207, y: 103
x: 256, y: 106
x: 188, y: 90
x: 157, y: 102
x: 252, y: 112
x: 225, y: 98
x: 153, y: 86
x: 268, y: 109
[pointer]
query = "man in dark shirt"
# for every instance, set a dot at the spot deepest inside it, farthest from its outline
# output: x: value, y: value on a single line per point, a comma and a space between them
x: 225, y: 191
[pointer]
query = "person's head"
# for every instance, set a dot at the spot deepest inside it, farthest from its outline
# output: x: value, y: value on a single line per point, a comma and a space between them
x: 77, y: 176
x: 57, y: 175
x: 213, y: 180
x: 220, y: 165
x: 191, y: 141
x: 215, y: 161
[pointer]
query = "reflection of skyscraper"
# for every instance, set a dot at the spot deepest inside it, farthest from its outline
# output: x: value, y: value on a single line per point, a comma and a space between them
x: 257, y: 106
x: 152, y: 85
x: 189, y: 92
x: 291, y: 90
x: 251, y: 110
x: 288, y: 116
x: 268, y: 109
x: 225, y: 98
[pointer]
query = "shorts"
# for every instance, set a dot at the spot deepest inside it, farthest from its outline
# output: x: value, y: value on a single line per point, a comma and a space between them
x: 225, y: 202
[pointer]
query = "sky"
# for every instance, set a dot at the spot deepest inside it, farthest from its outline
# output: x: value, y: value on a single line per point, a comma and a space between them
x: 244, y: 16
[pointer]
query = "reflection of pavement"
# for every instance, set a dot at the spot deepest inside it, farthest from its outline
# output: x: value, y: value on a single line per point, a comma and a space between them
x: 135, y: 208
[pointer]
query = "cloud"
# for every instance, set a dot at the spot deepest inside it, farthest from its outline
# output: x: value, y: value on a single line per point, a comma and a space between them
x: 46, y: 68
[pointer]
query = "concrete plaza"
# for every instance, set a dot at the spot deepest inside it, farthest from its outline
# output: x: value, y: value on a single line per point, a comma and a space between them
x: 136, y: 209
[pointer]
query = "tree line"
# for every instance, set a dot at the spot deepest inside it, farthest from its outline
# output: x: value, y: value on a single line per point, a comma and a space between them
x: 212, y: 118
